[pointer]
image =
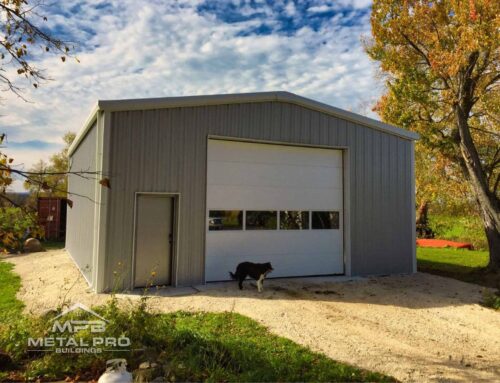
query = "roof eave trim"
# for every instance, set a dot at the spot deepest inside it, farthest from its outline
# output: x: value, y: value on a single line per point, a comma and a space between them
x: 89, y: 122
x: 185, y: 101
x: 346, y: 115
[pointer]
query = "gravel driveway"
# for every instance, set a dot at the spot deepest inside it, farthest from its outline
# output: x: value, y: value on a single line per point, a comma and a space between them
x: 416, y: 328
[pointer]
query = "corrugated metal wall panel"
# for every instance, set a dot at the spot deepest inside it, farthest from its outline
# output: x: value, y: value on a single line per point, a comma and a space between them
x: 80, y: 218
x: 165, y: 151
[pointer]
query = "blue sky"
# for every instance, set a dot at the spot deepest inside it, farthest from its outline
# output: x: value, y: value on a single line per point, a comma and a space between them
x: 133, y: 49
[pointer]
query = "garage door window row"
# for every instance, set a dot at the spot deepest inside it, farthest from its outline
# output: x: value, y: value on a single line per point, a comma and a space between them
x: 272, y: 219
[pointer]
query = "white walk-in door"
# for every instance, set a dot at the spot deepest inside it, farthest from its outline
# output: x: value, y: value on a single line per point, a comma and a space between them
x: 273, y: 203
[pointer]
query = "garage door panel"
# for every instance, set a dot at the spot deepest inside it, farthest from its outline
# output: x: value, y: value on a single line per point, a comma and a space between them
x: 223, y: 173
x: 233, y: 151
x: 239, y: 197
x: 261, y: 242
x: 247, y: 176
x: 285, y: 265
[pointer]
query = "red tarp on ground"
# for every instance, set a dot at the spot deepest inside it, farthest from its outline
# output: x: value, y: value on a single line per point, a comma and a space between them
x: 443, y: 243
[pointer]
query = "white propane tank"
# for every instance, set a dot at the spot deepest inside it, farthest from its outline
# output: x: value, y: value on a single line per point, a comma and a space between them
x: 116, y: 372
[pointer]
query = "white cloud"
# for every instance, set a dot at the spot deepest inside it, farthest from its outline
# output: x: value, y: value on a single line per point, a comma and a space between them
x: 335, y: 5
x: 161, y: 48
x: 320, y: 8
x: 290, y: 9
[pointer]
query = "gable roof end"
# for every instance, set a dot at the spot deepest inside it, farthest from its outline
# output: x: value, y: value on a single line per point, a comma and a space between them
x: 237, y: 98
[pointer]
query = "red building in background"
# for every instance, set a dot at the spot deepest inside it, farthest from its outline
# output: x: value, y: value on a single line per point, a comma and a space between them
x: 52, y: 217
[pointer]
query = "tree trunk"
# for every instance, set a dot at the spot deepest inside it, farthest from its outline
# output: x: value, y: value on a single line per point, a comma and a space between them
x: 488, y: 202
x: 422, y: 213
x: 493, y: 237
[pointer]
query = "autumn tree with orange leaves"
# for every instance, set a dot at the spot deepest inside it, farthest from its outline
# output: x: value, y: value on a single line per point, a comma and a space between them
x: 440, y: 60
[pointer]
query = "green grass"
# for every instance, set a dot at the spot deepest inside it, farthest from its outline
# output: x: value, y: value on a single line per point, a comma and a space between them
x: 492, y: 299
x: 458, y: 260
x: 190, y: 346
x: 465, y: 265
x: 232, y: 347
x: 463, y: 229
x: 10, y: 283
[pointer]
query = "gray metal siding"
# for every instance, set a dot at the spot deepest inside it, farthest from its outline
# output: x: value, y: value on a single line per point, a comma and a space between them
x: 80, y: 220
x: 164, y: 150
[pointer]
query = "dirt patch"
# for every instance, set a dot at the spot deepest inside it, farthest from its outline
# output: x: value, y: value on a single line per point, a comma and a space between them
x: 419, y: 327
x: 49, y: 279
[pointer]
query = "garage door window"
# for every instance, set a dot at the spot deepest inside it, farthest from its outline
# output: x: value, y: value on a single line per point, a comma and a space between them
x: 225, y: 220
x: 294, y: 220
x: 261, y: 220
x: 325, y: 220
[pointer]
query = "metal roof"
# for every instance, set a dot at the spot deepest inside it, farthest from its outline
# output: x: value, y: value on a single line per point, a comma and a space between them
x: 235, y: 98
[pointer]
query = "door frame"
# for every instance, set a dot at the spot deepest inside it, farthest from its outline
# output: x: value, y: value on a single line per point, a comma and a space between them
x: 175, y: 223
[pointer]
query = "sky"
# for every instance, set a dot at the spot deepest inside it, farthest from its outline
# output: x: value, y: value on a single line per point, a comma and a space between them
x: 160, y: 48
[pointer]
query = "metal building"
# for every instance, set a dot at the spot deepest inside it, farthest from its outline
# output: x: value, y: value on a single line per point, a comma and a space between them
x: 199, y: 184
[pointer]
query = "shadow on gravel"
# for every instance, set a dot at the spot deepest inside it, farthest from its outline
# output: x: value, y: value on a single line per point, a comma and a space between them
x: 414, y: 291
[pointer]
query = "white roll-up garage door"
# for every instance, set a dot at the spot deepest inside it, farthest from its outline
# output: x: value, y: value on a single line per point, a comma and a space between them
x: 273, y: 203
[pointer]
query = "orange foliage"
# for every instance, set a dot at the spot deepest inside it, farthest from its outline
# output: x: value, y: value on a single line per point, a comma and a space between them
x: 429, y: 52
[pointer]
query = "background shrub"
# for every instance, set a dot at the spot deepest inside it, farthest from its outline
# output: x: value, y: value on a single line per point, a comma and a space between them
x: 459, y: 228
x: 16, y: 225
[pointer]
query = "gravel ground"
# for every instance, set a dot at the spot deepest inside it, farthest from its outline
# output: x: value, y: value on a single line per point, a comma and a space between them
x: 416, y: 328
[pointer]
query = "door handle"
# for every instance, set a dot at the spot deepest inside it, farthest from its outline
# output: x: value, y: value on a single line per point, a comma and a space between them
x: 171, y: 238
